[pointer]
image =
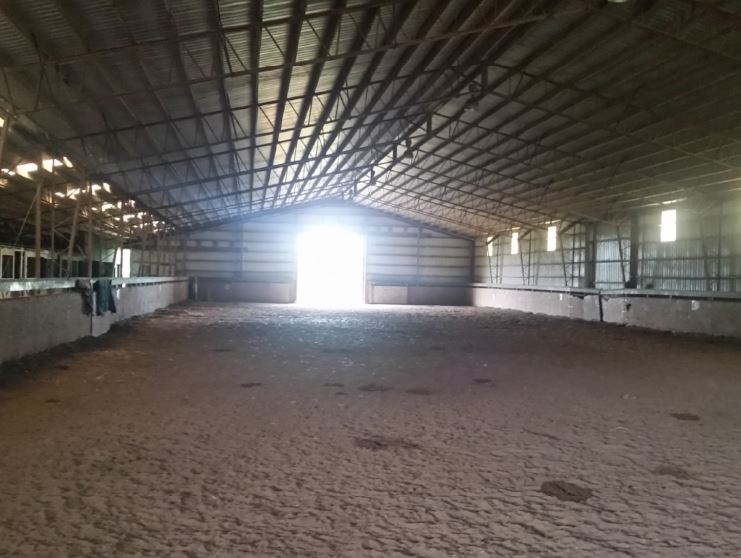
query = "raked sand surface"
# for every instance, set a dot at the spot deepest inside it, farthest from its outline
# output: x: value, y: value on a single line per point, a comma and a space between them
x: 215, y: 430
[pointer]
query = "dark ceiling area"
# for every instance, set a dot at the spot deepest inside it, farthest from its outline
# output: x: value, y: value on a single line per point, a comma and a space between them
x: 471, y: 116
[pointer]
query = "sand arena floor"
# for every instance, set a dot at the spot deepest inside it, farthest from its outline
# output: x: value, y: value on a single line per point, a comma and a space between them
x: 259, y: 430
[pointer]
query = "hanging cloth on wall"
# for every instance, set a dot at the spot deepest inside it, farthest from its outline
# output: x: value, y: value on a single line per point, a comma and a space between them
x: 84, y: 287
x: 106, y: 302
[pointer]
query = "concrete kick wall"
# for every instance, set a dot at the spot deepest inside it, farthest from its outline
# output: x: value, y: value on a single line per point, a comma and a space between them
x: 689, y: 315
x: 32, y: 324
x: 211, y: 289
x: 706, y: 313
x: 567, y: 304
x: 225, y: 290
x: 430, y: 295
x: 138, y: 300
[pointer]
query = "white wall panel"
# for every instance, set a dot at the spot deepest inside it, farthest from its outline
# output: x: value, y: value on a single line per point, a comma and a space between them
x: 264, y: 249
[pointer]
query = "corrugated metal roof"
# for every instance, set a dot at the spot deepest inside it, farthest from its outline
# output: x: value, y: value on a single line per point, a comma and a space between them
x: 585, y: 112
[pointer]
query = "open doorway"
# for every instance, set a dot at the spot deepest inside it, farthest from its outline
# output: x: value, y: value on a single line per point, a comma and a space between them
x: 331, y: 267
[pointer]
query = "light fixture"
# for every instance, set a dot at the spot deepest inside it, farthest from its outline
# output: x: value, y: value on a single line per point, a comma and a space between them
x: 472, y: 103
x: 25, y: 169
x: 408, y: 154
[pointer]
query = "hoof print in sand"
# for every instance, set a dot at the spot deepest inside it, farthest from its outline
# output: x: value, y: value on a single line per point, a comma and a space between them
x: 375, y: 387
x: 566, y: 491
x: 685, y: 416
x: 250, y: 385
x: 673, y: 471
x: 377, y: 443
x: 420, y: 391
x: 337, y: 351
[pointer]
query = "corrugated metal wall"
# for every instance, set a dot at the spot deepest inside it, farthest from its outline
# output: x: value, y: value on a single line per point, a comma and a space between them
x: 706, y: 256
x: 264, y: 249
x: 533, y: 265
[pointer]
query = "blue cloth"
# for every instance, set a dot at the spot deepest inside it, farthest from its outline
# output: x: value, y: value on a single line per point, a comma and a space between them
x: 105, y: 301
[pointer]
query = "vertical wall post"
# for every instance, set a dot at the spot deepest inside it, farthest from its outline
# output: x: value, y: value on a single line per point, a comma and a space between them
x: 118, y: 272
x: 52, y: 237
x: 719, y: 265
x: 158, y: 244
x: 573, y: 260
x: 175, y: 254
x: 563, y: 259
x: 4, y: 131
x: 621, y: 255
x: 89, y: 185
x: 590, y: 255
x: 73, y: 234
x: 522, y: 263
x: 416, y: 265
x: 635, y: 246
x: 141, y: 256
x: 500, y: 262
x: 489, y: 246
x: 707, y: 272
x: 37, y: 235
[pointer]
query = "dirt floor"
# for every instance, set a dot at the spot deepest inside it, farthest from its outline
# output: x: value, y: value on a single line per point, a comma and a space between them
x: 260, y: 430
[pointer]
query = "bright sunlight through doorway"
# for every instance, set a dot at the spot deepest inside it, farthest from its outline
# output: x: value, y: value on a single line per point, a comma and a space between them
x: 331, y: 263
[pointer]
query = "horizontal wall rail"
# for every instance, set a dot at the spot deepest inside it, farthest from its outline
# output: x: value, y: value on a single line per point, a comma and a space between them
x: 29, y: 285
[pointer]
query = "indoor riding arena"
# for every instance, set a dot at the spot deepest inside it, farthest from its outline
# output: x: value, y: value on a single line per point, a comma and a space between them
x: 370, y: 278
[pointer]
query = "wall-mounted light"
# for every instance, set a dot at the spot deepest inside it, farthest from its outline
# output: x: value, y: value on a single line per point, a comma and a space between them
x: 408, y: 154
x: 472, y: 103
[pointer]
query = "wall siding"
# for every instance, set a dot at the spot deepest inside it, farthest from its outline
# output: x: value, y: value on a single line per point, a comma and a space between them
x: 264, y: 249
x: 705, y: 257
